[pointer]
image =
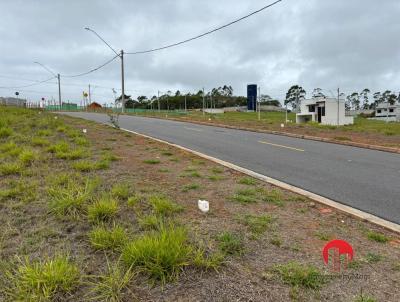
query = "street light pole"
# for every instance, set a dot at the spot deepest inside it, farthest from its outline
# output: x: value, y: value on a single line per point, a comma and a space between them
x: 59, y: 90
x: 122, y: 81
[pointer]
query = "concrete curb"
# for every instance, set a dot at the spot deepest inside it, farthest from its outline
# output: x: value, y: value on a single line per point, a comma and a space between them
x: 320, y: 199
x: 314, y: 138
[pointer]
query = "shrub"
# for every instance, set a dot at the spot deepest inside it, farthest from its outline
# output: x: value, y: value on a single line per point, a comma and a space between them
x: 102, y: 210
x: 103, y: 238
x: 296, y: 274
x: 161, y: 254
x: 42, y: 281
x: 163, y: 206
x: 230, y: 243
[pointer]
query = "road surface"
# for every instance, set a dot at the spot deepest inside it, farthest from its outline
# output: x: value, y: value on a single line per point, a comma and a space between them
x: 364, y: 179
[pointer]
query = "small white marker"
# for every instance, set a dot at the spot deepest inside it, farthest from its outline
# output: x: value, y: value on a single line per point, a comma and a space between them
x: 282, y: 125
x: 203, y: 205
x: 84, y: 130
x: 56, y: 117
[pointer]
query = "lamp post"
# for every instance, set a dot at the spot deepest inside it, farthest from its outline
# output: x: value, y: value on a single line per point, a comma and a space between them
x: 58, y: 79
x: 121, y: 56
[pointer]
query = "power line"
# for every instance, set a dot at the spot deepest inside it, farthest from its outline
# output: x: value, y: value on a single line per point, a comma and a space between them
x: 29, y: 85
x: 92, y: 70
x: 204, y: 34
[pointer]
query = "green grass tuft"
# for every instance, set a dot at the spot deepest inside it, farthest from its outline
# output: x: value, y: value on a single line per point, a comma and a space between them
x: 300, y: 275
x: 274, y: 196
x: 256, y: 224
x: 163, y: 206
x: 121, y: 191
x: 5, y: 132
x: 161, y: 255
x: 230, y: 244
x: 247, y: 181
x: 27, y: 157
x: 190, y: 187
x: 245, y: 196
x: 44, y: 280
x: 103, y: 238
x: 378, y: 237
x: 11, y: 168
x: 102, y: 210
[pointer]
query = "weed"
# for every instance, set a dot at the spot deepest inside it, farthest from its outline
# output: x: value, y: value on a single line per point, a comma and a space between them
x: 230, y: 244
x: 133, y: 200
x: 120, y: 190
x: 108, y: 156
x: 300, y: 275
x: 161, y: 254
x: 217, y: 170
x: 378, y: 237
x: 5, y: 132
x: 102, y: 210
x: 84, y: 166
x: 61, y: 147
x: 323, y: 236
x: 20, y: 190
x: 10, y: 168
x: 72, y: 154
x: 245, y: 196
x: 163, y: 206
x: 163, y: 170
x: 277, y: 241
x: 150, y: 222
x: 27, y: 157
x: 201, y: 260
x: 373, y: 258
x: 42, y: 281
x: 190, y: 187
x: 39, y: 142
x: 70, y: 198
x: 215, y: 177
x: 152, y: 161
x: 256, y: 224
x: 364, y: 298
x: 81, y: 141
x: 44, y: 132
x: 274, y: 196
x: 247, y: 181
x: 167, y: 153
x: 103, y: 238
x: 111, y: 285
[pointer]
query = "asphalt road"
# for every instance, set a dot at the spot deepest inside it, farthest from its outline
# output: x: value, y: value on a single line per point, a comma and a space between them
x: 365, y: 179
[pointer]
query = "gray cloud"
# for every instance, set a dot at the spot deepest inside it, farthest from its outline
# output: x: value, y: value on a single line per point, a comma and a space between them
x: 351, y: 44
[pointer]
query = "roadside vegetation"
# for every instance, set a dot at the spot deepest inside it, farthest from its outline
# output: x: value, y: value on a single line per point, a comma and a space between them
x: 99, y: 215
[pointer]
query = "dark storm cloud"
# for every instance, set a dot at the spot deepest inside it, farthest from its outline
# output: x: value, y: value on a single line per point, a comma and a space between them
x: 331, y: 43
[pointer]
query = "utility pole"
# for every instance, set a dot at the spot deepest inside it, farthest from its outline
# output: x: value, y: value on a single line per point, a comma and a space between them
x: 338, y: 103
x: 185, y: 104
x: 203, y: 102
x: 158, y: 101
x: 123, y: 81
x: 90, y: 95
x: 59, y: 90
x: 259, y: 103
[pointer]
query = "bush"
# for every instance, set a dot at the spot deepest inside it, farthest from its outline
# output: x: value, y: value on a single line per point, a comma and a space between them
x: 102, y: 210
x: 161, y: 255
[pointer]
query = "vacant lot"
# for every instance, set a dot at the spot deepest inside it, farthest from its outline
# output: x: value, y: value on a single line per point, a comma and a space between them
x: 363, y: 131
x: 92, y: 213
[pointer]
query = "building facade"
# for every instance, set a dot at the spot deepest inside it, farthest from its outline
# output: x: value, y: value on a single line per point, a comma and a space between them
x: 326, y: 111
x: 387, y: 112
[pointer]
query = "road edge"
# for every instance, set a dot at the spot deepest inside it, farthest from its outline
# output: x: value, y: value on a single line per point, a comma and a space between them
x: 315, y: 197
x: 288, y: 134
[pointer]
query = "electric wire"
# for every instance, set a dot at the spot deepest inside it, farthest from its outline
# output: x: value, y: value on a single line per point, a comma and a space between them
x: 92, y: 70
x: 204, y: 34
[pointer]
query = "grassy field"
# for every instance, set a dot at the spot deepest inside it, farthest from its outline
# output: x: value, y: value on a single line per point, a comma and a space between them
x: 363, y: 130
x: 104, y: 215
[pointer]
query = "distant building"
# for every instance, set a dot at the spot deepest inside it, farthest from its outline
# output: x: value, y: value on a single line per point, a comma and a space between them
x: 10, y: 101
x: 387, y: 112
x: 94, y: 105
x: 326, y: 111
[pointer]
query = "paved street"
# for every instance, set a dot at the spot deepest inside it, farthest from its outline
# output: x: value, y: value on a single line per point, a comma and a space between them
x: 364, y: 179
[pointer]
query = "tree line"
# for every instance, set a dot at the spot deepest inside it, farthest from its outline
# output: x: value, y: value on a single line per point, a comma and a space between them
x: 364, y: 99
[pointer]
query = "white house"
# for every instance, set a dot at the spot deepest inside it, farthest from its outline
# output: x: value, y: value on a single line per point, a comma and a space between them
x: 326, y: 111
x: 387, y: 112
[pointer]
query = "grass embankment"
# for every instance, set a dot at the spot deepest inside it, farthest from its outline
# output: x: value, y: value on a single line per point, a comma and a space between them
x: 363, y: 130
x: 109, y: 216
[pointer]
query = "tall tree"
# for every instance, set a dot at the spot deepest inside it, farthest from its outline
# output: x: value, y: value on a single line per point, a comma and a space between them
x: 377, y: 99
x: 364, y: 94
x: 355, y: 100
x: 389, y: 97
x: 294, y: 96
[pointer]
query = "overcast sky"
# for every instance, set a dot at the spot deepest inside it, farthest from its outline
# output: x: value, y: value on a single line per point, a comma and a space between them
x: 314, y: 43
